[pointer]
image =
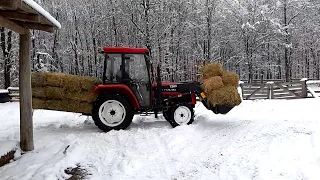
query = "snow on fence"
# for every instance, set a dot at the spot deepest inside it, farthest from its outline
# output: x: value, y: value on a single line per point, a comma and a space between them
x: 313, y: 88
x: 13, y: 93
x: 303, y: 88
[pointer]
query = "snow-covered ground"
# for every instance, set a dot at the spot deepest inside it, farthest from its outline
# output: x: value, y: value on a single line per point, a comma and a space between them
x: 277, y: 139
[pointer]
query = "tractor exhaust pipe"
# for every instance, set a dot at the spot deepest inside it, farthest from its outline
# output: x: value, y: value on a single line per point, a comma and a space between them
x: 159, y: 97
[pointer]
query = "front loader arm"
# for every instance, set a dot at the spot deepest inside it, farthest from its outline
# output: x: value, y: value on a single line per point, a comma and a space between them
x: 199, y: 92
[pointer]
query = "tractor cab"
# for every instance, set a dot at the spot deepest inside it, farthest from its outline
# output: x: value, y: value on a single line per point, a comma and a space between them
x: 129, y: 67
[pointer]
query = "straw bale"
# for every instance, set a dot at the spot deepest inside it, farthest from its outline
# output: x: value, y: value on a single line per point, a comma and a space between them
x: 38, y: 103
x: 88, y: 83
x: 71, y: 82
x: 211, y: 70
x: 38, y: 79
x: 227, y: 95
x: 82, y: 96
x: 211, y: 84
x: 39, y: 92
x: 230, y: 79
x: 55, y: 79
x: 56, y: 93
x: 69, y: 106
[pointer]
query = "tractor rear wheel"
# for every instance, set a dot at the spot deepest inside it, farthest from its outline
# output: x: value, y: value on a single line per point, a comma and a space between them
x: 112, y: 112
x: 180, y: 114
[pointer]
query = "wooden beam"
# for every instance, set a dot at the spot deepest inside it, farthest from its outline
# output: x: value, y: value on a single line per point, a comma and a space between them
x: 26, y: 123
x: 14, y: 15
x: 10, y: 4
x: 42, y: 27
x: 12, y: 25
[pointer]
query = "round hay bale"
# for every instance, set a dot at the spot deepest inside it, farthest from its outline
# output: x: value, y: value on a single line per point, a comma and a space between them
x: 227, y: 95
x: 230, y: 79
x: 211, y: 84
x: 211, y: 70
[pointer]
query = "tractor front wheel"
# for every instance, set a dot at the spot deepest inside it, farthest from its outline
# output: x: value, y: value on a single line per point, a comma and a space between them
x: 181, y: 114
x: 112, y: 112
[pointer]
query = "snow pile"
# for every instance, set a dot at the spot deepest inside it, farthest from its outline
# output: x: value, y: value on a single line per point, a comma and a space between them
x: 271, y: 139
x: 43, y: 12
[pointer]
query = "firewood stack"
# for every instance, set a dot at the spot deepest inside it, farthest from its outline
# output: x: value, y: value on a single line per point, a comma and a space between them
x: 220, y: 85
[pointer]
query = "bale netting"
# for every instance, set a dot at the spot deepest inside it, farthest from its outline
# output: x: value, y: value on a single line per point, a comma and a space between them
x: 227, y: 95
x: 230, y: 79
x: 211, y: 70
x: 211, y: 84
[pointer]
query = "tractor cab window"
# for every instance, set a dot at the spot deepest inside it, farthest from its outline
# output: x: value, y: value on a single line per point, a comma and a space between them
x: 113, y: 65
x: 136, y: 67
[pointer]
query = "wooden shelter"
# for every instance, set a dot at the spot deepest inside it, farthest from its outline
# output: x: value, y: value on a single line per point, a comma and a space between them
x: 21, y: 16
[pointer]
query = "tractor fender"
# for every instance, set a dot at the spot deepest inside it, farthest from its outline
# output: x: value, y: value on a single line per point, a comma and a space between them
x: 119, y: 89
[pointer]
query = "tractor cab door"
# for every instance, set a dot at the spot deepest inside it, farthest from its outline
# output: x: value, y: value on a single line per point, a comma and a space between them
x: 136, y: 69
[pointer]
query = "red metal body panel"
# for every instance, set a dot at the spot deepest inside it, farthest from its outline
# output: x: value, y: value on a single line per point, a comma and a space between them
x: 193, y: 97
x: 126, y: 50
x: 119, y: 88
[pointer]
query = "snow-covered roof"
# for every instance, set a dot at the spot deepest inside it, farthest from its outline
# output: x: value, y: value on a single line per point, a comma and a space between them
x: 43, y: 12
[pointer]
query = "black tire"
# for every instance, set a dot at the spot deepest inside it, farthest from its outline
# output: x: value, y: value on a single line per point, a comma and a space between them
x: 171, y: 115
x: 101, y: 123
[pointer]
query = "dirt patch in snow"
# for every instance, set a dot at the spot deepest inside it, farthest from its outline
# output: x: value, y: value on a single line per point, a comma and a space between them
x: 77, y: 173
x: 5, y: 159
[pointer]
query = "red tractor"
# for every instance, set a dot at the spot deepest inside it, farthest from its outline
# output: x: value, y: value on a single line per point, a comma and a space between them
x: 129, y: 87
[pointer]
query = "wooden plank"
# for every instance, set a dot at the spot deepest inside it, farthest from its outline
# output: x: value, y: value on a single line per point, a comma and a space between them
x: 251, y: 88
x: 285, y: 88
x: 260, y: 95
x: 26, y: 123
x: 287, y: 97
x: 14, y: 15
x: 256, y: 91
x: 41, y: 27
x: 10, y: 4
x: 13, y: 26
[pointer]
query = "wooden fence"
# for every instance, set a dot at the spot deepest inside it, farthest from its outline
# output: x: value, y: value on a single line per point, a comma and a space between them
x: 267, y: 90
x: 14, y: 93
x: 280, y: 90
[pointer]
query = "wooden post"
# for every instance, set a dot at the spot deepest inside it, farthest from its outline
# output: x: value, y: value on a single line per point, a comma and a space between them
x: 241, y: 86
x: 270, y: 90
x: 304, y: 92
x: 26, y: 124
